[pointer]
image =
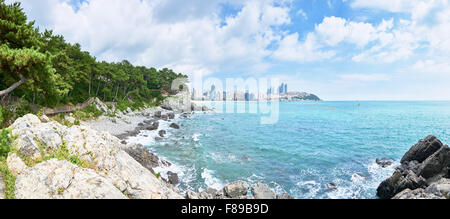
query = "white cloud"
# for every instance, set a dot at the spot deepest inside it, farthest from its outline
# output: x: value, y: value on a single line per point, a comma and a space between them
x: 155, y: 33
x: 291, y: 49
x: 365, y: 77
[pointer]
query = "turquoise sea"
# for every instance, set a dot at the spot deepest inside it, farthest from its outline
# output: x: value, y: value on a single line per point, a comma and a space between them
x: 312, y: 144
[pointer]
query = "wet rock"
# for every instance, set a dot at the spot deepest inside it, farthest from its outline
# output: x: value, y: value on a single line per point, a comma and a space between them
x: 332, y: 186
x: 174, y: 126
x: 384, y: 162
x: 399, y: 182
x: 171, y: 115
x: 284, y: 196
x: 425, y: 163
x: 236, y: 189
x: 158, y: 114
x: 173, y: 178
x: 153, y: 126
x: 162, y: 133
x: 143, y: 156
x: 437, y: 165
x: 263, y: 191
x: 422, y: 150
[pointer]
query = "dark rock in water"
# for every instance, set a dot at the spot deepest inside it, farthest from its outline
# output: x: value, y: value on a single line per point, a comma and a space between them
x: 426, y: 162
x: 153, y: 126
x: 158, y: 139
x: 171, y: 115
x: 141, y: 124
x: 162, y: 133
x: 158, y: 114
x: 422, y: 150
x: 204, y: 108
x: 332, y: 186
x: 437, y: 164
x: 123, y: 142
x: 174, y: 126
x: 173, y: 178
x: 143, y: 156
x: 384, y: 162
x: 285, y: 196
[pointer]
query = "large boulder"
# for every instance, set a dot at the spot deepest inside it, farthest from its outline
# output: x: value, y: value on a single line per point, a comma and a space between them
x: 422, y: 150
x: 263, y: 191
x: 437, y: 165
x: 237, y: 189
x: 399, y: 182
x: 423, y: 165
x: 56, y: 179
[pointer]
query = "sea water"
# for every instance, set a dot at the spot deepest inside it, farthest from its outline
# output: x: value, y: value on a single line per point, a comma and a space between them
x: 312, y: 144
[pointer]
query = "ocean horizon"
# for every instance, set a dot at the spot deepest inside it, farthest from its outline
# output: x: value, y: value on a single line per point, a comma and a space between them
x: 312, y: 146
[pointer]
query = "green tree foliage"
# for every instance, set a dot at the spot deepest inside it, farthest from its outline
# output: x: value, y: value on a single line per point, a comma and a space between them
x: 44, y: 69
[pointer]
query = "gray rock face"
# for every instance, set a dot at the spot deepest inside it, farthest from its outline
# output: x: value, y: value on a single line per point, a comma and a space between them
x: 437, y: 164
x: 173, y: 178
x: 110, y: 171
x: 236, y: 189
x: 148, y: 160
x: 425, y: 163
x: 162, y: 133
x: 416, y: 194
x: 55, y: 179
x: 422, y: 150
x: 440, y: 188
x: 262, y: 191
x: 15, y: 165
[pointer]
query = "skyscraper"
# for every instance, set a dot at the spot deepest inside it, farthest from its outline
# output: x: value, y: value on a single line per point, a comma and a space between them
x: 285, y: 88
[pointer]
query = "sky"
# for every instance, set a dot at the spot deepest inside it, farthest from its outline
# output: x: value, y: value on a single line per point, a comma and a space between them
x: 336, y: 49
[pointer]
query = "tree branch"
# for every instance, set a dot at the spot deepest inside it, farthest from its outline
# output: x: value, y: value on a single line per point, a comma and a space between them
x: 14, y: 86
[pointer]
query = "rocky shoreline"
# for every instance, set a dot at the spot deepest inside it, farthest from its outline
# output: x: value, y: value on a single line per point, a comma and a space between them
x: 424, y: 173
x: 94, y: 160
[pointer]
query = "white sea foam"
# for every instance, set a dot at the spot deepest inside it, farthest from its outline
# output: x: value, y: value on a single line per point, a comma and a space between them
x: 211, y: 181
x: 196, y: 136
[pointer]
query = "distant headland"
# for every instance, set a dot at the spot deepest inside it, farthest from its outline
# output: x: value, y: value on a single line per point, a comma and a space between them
x: 281, y: 94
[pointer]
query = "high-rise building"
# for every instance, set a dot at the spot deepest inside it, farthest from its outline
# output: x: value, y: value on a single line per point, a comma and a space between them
x: 285, y: 88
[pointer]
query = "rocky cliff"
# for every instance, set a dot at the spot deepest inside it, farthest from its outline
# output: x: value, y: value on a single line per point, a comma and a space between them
x: 52, y: 161
x: 424, y: 173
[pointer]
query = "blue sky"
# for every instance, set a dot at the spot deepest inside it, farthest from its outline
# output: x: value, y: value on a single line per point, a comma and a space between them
x: 337, y: 49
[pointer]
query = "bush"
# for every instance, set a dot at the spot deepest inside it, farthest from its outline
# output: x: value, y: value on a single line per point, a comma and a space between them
x: 5, y: 142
